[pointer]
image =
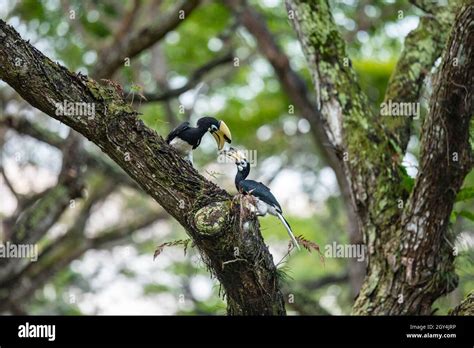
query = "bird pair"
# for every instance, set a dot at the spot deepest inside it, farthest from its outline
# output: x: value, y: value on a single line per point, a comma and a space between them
x: 185, y: 139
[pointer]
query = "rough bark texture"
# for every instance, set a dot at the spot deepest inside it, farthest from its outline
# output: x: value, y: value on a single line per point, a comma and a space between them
x: 409, y: 246
x: 203, y: 209
x: 296, y: 89
x: 466, y: 307
x: 422, y: 47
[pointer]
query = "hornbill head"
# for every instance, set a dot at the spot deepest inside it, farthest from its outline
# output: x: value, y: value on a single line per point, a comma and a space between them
x: 238, y: 157
x: 218, y: 130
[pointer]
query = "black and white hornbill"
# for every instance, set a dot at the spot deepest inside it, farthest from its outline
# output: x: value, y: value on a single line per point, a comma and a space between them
x: 265, y: 201
x: 185, y: 138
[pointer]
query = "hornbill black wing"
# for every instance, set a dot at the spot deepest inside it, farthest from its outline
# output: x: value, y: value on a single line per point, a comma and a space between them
x: 263, y: 193
x: 177, y: 131
x: 260, y: 191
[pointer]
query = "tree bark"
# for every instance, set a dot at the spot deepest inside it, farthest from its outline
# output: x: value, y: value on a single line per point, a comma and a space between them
x: 410, y: 256
x: 466, y: 307
x: 239, y: 259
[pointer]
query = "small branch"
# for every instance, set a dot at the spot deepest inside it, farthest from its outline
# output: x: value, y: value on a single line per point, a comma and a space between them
x: 133, y: 45
x: 118, y: 233
x: 24, y: 126
x: 193, y: 80
x: 327, y: 280
x: 126, y: 25
x: 428, y: 6
x: 344, y: 106
x: 232, y: 261
x: 18, y: 197
x: 92, y: 159
x: 61, y: 253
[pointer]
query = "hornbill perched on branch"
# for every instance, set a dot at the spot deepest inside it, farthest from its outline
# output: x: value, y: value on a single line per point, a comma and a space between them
x: 265, y: 201
x: 185, y: 138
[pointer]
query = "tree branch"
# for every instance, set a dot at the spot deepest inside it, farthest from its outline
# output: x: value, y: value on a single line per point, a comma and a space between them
x: 33, y: 223
x: 59, y: 255
x: 8, y: 183
x: 421, y: 49
x: 426, y: 5
x: 132, y: 45
x: 127, y: 22
x: 202, y: 208
x: 193, y: 80
x: 466, y: 307
x: 368, y: 156
x: 327, y: 280
x: 445, y: 159
x: 92, y: 159
x: 24, y: 126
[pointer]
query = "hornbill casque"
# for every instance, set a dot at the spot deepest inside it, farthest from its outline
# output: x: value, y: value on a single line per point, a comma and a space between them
x: 185, y: 138
x: 265, y: 201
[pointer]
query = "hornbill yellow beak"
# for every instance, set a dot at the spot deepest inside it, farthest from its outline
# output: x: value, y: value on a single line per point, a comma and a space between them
x: 222, y: 135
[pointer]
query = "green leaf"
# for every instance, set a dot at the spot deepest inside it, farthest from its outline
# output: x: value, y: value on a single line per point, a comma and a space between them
x: 466, y: 214
x: 407, y: 181
x: 465, y: 194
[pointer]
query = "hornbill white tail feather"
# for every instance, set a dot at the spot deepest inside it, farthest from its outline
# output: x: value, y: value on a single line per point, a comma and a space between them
x: 288, y: 229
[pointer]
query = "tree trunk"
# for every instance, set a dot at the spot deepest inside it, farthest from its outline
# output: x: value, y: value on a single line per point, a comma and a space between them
x: 410, y: 249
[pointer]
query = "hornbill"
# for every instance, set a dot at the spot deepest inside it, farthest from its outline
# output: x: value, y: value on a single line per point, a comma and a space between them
x: 185, y: 138
x: 265, y: 201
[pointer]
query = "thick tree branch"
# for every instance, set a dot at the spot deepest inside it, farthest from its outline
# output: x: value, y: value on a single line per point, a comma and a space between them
x: 368, y: 156
x: 130, y: 46
x: 405, y: 240
x: 159, y: 69
x: 421, y: 49
x: 201, y: 207
x: 351, y: 126
x: 421, y: 261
